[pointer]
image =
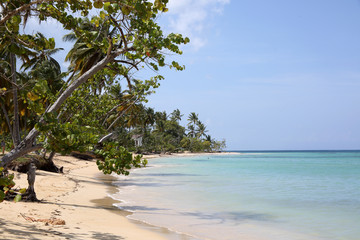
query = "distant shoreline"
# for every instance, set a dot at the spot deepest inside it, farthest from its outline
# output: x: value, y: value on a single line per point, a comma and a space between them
x: 267, y: 151
x: 188, y: 154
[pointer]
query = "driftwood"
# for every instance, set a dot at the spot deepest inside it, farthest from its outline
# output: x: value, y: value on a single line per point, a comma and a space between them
x: 53, y: 221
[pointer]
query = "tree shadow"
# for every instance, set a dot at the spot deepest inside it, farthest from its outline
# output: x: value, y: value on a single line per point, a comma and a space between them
x: 18, y: 230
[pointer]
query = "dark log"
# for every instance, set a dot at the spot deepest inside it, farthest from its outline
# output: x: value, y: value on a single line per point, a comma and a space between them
x: 50, y: 165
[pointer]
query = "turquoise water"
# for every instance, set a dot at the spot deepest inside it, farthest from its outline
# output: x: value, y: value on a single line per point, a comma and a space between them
x: 259, y: 195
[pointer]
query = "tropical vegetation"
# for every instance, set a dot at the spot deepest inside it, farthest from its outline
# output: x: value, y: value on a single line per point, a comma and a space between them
x: 97, y: 104
x: 163, y: 133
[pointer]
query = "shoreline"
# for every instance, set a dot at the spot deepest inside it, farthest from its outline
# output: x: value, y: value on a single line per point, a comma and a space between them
x: 109, y: 201
x: 76, y: 197
x: 171, y: 234
x: 193, y: 222
x: 79, y: 198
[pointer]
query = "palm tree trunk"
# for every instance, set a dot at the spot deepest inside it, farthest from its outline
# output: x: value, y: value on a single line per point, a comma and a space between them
x: 7, y: 120
x: 16, y: 125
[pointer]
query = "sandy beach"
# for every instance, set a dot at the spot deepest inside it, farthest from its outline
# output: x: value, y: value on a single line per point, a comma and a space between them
x: 79, y: 198
x: 76, y: 205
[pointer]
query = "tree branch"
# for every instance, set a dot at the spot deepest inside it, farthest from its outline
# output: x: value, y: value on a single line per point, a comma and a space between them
x: 107, y: 114
x: 16, y: 153
x: 120, y: 29
x: 23, y: 147
x: 122, y: 114
x: 130, y: 63
x: 20, y: 9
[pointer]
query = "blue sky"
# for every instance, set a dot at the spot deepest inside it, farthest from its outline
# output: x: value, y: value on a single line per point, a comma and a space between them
x: 268, y: 75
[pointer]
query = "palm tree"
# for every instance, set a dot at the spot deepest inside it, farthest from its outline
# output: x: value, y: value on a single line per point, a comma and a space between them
x: 5, y: 95
x: 191, y: 131
x: 50, y: 71
x: 12, y: 48
x: 193, y: 119
x: 160, y: 120
x: 10, y: 76
x: 148, y: 117
x: 201, y: 129
x: 42, y: 53
x: 82, y: 56
x: 176, y: 115
x: 209, y: 138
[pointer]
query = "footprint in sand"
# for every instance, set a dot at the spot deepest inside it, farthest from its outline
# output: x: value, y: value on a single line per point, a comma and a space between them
x: 56, y: 212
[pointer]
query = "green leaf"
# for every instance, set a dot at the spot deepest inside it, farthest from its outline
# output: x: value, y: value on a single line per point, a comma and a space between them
x: 125, y: 10
x: 156, y: 3
x: 3, y: 182
x: 51, y: 43
x: 2, y: 196
x: 17, y: 198
x: 17, y: 19
x: 98, y: 4
x: 102, y: 15
x: 108, y: 7
x: 22, y: 191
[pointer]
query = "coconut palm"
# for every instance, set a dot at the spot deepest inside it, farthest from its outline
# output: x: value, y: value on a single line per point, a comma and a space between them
x: 160, y: 120
x: 201, y: 130
x: 83, y: 56
x: 11, y: 107
x: 42, y: 53
x: 191, y: 131
x: 147, y: 116
x: 176, y: 115
x: 193, y: 119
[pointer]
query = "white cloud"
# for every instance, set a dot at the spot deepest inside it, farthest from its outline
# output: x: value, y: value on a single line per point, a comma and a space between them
x: 191, y: 17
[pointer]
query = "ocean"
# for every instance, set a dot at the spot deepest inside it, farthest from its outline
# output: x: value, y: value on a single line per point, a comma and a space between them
x: 276, y: 195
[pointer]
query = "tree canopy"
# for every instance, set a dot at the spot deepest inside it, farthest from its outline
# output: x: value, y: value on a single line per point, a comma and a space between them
x: 42, y: 107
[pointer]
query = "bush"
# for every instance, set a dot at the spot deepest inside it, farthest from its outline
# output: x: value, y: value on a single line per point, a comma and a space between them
x: 6, y: 185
